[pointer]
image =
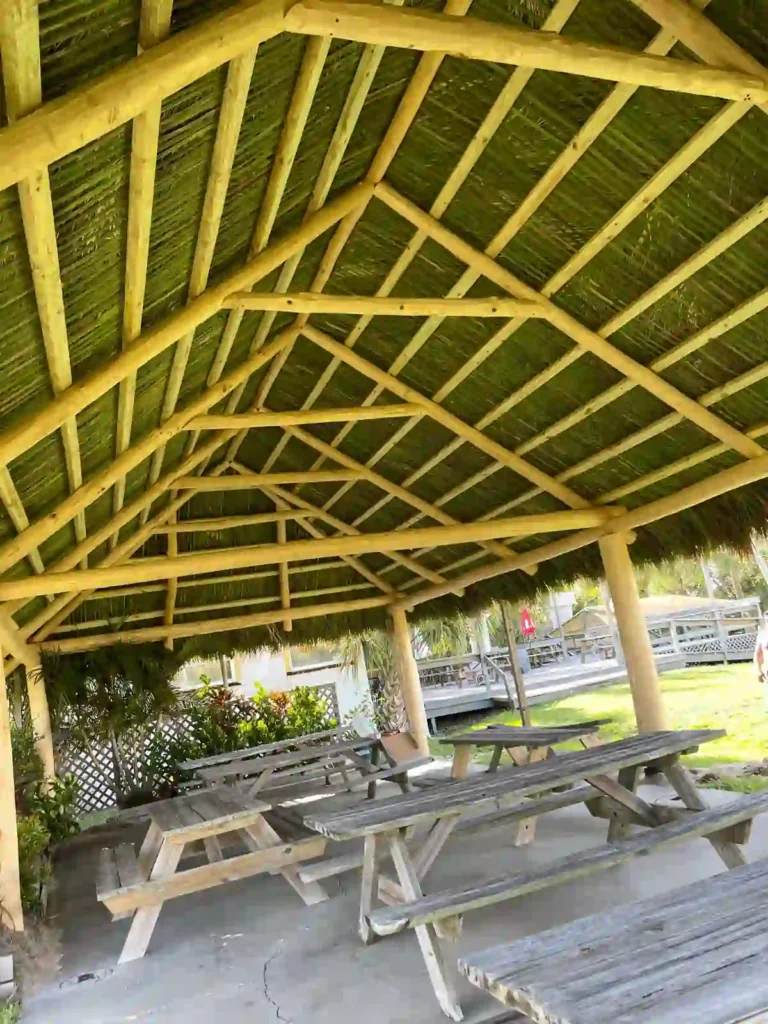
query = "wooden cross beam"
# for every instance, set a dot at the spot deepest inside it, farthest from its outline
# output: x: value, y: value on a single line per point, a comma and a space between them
x: 216, y: 524
x: 414, y: 28
x: 143, y: 571
x: 288, y: 418
x: 258, y: 480
x: 582, y: 335
x: 362, y: 305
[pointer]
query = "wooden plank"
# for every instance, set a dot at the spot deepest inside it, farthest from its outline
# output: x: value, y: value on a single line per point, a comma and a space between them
x: 577, y: 865
x: 358, y: 305
x: 154, y: 892
x: 484, y: 791
x: 682, y: 782
x: 260, y: 835
x: 264, y: 748
x: 226, y: 820
x: 127, y: 865
x: 145, y: 919
x: 107, y: 878
x: 694, y: 954
x: 367, y: 887
x: 521, y: 736
x: 292, y: 757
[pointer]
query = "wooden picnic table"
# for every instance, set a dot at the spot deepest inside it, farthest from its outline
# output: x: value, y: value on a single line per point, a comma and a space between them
x: 130, y: 885
x: 316, y: 763
x: 697, y: 954
x: 312, y: 738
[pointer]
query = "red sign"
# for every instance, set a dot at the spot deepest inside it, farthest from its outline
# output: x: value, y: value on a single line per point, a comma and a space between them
x: 526, y: 623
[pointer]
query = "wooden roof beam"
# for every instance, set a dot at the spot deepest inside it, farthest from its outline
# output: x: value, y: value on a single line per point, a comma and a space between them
x: 181, y: 630
x: 172, y: 585
x: 359, y: 305
x: 580, y: 144
x: 571, y: 327
x: 154, y: 27
x: 20, y: 50
x: 217, y: 524
x: 419, y: 571
x: 99, y: 106
x: 20, y: 438
x: 19, y: 546
x: 704, y: 490
x: 410, y: 103
x: 240, y: 483
x: 288, y: 418
x: 145, y: 570
x: 437, y: 412
x: 414, y: 28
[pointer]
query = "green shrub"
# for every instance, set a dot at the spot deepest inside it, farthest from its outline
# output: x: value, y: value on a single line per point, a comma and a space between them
x: 10, y: 1013
x: 34, y: 866
x: 55, y: 806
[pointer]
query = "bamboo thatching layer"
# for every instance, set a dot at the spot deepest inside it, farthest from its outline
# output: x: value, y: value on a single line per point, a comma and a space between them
x: 81, y: 40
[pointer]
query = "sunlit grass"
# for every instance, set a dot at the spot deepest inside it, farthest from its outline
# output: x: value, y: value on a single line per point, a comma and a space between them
x: 714, y: 697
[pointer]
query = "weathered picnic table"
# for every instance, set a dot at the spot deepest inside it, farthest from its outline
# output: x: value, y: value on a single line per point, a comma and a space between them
x: 313, y: 762
x: 524, y: 745
x: 517, y: 795
x: 130, y: 885
x: 698, y: 954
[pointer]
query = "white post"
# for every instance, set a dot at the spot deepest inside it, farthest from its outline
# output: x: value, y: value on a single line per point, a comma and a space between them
x: 10, y: 890
x: 410, y: 685
x: 638, y: 654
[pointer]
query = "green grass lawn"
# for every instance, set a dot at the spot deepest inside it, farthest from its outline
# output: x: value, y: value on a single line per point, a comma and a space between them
x: 716, y: 697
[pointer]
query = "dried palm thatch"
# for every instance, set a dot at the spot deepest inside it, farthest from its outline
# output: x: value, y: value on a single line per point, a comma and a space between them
x: 369, y: 169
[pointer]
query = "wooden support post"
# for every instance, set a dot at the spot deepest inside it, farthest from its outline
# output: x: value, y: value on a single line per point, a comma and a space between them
x: 285, y: 589
x: 410, y: 684
x: 641, y: 668
x: 514, y: 664
x: 11, y: 640
x: 173, y: 585
x: 10, y: 890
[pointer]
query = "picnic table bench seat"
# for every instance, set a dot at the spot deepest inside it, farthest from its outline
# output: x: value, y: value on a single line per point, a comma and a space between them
x: 697, y: 954
x: 455, y: 902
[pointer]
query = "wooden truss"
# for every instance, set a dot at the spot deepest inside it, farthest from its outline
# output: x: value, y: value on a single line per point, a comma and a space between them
x: 213, y: 423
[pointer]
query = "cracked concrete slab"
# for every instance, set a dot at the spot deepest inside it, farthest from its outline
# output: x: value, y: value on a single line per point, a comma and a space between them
x: 251, y: 953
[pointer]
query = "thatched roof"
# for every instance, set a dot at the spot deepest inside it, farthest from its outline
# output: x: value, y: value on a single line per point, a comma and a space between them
x: 639, y: 210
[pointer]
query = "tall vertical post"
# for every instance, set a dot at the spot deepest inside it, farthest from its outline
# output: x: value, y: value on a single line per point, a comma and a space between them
x: 638, y: 654
x: 38, y: 701
x: 410, y: 684
x: 10, y: 888
x: 514, y: 664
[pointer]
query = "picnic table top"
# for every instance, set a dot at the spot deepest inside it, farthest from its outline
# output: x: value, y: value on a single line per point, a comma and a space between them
x: 507, y: 787
x: 316, y: 752
x: 183, y: 819
x: 695, y: 954
x: 263, y: 748
x: 526, y: 735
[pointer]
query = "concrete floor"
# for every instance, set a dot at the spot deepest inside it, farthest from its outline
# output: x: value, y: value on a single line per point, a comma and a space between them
x: 251, y: 953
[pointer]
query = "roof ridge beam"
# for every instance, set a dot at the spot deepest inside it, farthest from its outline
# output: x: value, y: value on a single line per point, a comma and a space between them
x: 475, y: 39
x: 572, y: 328
x: 20, y: 438
x: 358, y: 305
x: 292, y: 418
x: 145, y: 570
x: 99, y: 106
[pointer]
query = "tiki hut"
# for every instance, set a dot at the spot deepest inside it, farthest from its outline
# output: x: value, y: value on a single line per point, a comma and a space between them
x: 318, y: 314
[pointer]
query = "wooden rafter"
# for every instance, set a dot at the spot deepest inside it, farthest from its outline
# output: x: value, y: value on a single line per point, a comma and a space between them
x: 568, y: 324
x: 20, y: 48
x: 180, y: 630
x: 98, y: 107
x: 154, y: 27
x: 239, y: 483
x: 503, y: 44
x: 414, y: 95
x: 215, y: 524
x: 266, y: 554
x: 173, y: 584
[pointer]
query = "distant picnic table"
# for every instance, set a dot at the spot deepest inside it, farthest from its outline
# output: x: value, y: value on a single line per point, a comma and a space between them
x: 514, y: 795
x: 698, y: 954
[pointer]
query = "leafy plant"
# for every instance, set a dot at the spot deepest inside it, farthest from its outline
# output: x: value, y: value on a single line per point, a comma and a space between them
x: 10, y: 1013
x: 115, y: 696
x: 55, y: 804
x: 34, y: 867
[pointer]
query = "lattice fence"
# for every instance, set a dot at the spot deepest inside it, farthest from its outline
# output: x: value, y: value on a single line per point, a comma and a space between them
x: 95, y: 772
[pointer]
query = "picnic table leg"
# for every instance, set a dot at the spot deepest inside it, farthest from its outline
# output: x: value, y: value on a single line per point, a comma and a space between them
x: 619, y: 829
x: 145, y: 918
x: 150, y: 848
x: 367, y: 888
x: 462, y: 755
x: 442, y: 982
x: 682, y: 782
x: 526, y: 829
x: 375, y: 756
x: 260, y: 836
x: 498, y: 750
